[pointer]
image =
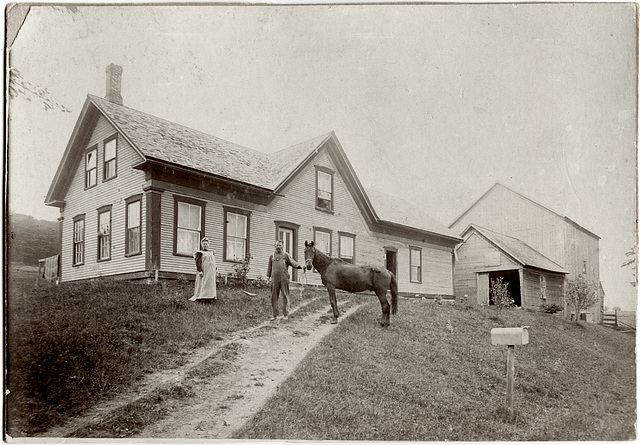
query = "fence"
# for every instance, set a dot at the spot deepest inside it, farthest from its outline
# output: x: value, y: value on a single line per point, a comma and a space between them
x: 619, y: 321
x: 49, y: 269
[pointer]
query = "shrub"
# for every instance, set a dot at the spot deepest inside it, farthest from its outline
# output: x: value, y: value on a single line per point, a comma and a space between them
x: 499, y: 294
x: 242, y: 269
x: 550, y: 308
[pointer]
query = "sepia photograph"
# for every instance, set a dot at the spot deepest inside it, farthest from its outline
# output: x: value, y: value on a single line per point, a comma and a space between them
x: 399, y: 221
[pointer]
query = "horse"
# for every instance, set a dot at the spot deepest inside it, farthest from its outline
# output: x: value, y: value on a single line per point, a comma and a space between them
x: 337, y: 274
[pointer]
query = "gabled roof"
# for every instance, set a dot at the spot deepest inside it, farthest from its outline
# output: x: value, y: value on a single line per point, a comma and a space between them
x: 157, y: 140
x: 516, y: 249
x: 498, y: 185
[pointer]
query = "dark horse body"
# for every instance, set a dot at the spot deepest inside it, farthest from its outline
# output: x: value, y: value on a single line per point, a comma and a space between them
x: 336, y: 274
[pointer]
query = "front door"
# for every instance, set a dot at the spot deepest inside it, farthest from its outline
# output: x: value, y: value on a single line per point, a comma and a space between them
x: 392, y: 264
x: 286, y: 236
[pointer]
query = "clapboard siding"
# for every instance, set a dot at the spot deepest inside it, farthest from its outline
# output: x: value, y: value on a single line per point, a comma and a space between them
x: 296, y: 205
x: 113, y: 192
x: 471, y: 259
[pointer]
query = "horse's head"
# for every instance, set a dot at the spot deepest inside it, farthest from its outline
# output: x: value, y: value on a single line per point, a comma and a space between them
x: 309, y: 253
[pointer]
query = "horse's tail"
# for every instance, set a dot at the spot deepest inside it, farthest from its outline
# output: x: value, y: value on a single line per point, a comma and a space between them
x: 394, y: 293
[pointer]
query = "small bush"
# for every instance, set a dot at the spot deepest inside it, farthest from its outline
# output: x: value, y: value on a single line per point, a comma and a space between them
x: 499, y: 294
x: 550, y: 308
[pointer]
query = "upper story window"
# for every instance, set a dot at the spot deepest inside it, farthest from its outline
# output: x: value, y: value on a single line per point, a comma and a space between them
x: 188, y: 225
x: 324, y: 189
x: 347, y: 247
x: 415, y: 264
x: 78, y: 240
x: 584, y: 267
x: 91, y: 167
x: 133, y: 235
x: 104, y: 233
x: 236, y: 234
x: 110, y: 158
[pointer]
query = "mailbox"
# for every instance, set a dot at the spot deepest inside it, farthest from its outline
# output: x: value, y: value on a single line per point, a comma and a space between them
x: 510, y: 336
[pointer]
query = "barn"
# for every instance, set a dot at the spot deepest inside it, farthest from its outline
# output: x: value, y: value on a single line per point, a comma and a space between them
x: 136, y: 193
x: 484, y: 256
x: 551, y: 235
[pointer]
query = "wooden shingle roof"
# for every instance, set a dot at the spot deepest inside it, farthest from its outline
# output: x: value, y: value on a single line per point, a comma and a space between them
x: 167, y: 141
x: 516, y: 249
x: 398, y: 211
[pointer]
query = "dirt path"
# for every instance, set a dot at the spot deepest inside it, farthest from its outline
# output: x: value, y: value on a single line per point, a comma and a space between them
x: 262, y: 358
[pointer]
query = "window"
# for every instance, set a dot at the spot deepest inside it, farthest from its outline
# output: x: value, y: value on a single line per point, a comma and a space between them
x: 104, y: 233
x: 91, y: 168
x: 110, y: 152
x: 133, y: 235
x: 543, y: 287
x: 322, y: 240
x: 347, y: 246
x: 78, y: 240
x: 415, y: 263
x: 189, y: 225
x: 236, y: 244
x: 584, y: 267
x: 324, y: 189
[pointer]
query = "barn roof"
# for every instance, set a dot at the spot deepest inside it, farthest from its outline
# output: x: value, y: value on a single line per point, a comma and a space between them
x: 159, y: 140
x: 516, y: 249
x: 498, y: 185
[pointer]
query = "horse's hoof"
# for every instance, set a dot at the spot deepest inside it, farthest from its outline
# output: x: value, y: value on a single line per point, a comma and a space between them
x: 334, y: 321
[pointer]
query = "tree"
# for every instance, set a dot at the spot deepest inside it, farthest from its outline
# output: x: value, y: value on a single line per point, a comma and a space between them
x: 631, y: 261
x: 580, y: 294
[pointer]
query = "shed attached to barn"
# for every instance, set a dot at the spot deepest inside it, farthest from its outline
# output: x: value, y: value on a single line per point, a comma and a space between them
x: 533, y: 279
x: 553, y: 235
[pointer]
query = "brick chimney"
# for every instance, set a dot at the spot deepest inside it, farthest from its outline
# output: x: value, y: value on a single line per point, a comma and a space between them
x: 114, y: 82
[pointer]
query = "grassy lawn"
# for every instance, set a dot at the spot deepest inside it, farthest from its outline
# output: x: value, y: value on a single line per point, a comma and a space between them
x: 74, y: 345
x: 418, y: 381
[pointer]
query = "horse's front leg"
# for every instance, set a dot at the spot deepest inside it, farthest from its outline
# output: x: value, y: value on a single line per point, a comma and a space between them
x: 334, y: 303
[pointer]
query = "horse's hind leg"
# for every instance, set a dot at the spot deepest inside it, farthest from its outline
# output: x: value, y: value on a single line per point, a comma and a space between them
x: 334, y: 303
x: 386, y: 307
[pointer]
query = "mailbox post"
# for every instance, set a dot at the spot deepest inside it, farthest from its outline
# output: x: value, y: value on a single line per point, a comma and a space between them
x: 511, y: 337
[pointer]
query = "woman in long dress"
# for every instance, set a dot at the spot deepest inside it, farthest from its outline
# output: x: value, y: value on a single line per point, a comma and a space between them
x: 205, y: 288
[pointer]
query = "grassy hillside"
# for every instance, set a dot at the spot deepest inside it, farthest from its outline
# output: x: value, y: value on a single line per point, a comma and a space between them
x: 74, y: 345
x: 420, y: 381
x: 30, y: 239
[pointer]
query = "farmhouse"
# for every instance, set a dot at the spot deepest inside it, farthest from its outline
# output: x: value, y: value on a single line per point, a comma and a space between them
x: 533, y: 247
x: 136, y: 194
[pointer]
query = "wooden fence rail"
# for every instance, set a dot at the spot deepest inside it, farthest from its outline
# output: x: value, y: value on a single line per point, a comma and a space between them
x: 610, y: 319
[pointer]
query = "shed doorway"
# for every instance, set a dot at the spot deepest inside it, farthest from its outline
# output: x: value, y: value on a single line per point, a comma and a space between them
x: 512, y: 277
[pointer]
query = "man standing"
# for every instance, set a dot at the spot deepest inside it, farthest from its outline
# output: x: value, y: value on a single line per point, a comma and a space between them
x: 278, y: 275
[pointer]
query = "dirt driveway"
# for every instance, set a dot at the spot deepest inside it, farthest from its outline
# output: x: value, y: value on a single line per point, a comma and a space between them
x: 250, y: 365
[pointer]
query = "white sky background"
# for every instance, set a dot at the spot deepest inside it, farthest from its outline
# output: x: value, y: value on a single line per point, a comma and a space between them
x: 432, y: 103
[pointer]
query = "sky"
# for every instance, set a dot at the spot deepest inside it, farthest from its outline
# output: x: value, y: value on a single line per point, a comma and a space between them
x: 433, y: 103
